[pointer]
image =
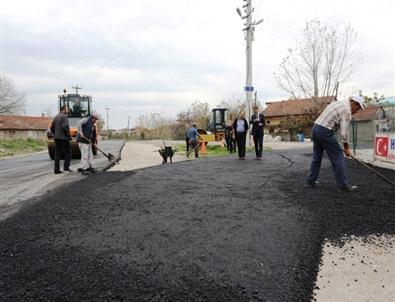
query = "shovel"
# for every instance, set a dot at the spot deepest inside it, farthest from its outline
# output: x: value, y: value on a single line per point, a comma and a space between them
x: 109, y: 156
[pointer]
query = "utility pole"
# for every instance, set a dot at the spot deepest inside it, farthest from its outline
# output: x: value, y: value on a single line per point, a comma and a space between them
x: 76, y: 87
x: 249, y: 30
x: 255, y: 94
x: 108, y: 131
x: 128, y: 126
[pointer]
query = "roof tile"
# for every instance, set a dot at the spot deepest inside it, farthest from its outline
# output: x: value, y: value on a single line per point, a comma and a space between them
x: 22, y: 122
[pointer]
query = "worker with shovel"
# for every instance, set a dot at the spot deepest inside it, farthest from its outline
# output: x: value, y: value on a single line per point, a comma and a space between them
x: 336, y: 115
x: 193, y: 140
x: 85, y: 135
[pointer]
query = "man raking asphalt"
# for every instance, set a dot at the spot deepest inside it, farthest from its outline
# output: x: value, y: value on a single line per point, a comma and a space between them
x: 336, y: 115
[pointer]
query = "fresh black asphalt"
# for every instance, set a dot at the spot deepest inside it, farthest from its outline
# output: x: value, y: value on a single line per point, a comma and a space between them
x: 215, y: 229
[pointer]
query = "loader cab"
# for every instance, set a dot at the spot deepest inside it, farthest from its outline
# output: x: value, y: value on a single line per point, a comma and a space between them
x: 79, y: 106
x: 218, y: 119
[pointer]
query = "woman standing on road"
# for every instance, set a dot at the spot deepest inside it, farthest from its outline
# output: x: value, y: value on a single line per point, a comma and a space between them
x: 240, y: 129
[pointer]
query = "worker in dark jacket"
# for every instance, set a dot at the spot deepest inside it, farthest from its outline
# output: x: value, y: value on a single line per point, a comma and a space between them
x: 187, y: 136
x: 240, y: 129
x: 258, y: 124
x: 61, y: 133
x: 85, y: 135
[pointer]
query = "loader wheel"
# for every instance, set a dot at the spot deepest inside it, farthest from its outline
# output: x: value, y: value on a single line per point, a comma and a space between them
x: 51, y: 150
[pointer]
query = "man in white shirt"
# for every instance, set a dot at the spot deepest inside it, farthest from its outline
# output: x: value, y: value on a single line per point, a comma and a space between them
x: 336, y: 116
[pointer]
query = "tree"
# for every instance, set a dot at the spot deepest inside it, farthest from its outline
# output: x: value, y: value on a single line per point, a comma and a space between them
x: 10, y: 101
x: 234, y: 105
x: 200, y: 113
x: 321, y: 59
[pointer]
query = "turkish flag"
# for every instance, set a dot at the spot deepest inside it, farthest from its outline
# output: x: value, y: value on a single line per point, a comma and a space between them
x: 381, y: 146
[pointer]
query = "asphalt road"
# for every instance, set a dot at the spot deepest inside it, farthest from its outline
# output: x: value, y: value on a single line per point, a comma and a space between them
x: 27, y: 176
x: 218, y: 229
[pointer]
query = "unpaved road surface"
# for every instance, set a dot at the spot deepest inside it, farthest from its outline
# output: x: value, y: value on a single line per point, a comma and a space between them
x: 215, y: 229
x: 31, y: 175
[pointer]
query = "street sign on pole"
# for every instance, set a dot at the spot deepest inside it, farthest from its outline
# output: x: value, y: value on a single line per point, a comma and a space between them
x: 248, y: 88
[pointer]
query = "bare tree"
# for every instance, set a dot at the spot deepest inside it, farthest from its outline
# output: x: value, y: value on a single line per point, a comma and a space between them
x: 323, y: 57
x: 10, y: 101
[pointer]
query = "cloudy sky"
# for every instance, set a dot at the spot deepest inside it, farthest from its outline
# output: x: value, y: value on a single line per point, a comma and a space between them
x: 141, y: 56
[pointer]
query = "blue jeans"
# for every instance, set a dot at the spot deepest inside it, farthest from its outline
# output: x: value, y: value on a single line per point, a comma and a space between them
x: 325, y: 140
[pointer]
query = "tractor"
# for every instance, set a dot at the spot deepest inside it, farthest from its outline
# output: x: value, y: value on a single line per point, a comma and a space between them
x: 79, y: 108
x: 216, y: 126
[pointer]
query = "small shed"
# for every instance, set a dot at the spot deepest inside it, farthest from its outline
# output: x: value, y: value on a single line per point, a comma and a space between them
x: 21, y: 126
x: 365, y: 124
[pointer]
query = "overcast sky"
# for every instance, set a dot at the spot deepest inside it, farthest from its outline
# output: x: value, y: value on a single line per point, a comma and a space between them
x: 141, y: 56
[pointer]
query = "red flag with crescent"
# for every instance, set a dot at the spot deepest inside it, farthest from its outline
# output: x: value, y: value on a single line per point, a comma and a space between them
x: 381, y: 146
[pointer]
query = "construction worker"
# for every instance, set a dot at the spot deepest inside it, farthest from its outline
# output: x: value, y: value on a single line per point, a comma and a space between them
x: 85, y: 135
x: 193, y: 139
x: 240, y: 129
x: 187, y: 137
x: 61, y: 133
x: 258, y: 123
x: 336, y: 115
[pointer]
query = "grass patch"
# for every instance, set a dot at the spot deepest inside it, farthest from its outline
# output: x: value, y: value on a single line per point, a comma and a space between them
x: 212, y: 150
x: 9, y: 147
x: 217, y: 150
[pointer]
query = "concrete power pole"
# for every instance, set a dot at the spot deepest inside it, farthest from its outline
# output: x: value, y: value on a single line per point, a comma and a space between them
x: 108, y: 131
x: 76, y: 87
x: 249, y: 37
x: 128, y: 125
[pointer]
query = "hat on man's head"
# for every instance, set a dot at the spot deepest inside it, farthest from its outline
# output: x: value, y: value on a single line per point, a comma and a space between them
x: 94, y: 115
x: 194, y: 124
x: 358, y: 99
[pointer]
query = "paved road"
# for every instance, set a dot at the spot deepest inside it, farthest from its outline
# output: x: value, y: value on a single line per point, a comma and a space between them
x: 29, y: 176
x: 215, y: 229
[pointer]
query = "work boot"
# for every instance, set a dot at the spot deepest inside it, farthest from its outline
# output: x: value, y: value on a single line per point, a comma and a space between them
x: 349, y: 188
x: 58, y: 172
x: 68, y: 170
x: 80, y: 169
x: 311, y: 184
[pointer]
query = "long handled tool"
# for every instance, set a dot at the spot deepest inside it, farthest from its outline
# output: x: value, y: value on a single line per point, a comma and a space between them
x: 193, y: 149
x: 373, y: 170
x: 109, y: 156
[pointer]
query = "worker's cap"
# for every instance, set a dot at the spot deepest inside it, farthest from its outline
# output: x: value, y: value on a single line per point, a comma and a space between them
x: 255, y: 107
x: 194, y: 124
x: 357, y: 99
x: 94, y: 115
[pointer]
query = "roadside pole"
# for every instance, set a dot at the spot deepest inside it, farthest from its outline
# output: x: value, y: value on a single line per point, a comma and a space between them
x: 249, y: 37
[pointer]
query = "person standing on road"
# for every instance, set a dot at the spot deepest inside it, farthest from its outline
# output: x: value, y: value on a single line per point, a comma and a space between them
x: 193, y: 139
x: 258, y: 124
x: 228, y: 135
x: 187, y: 137
x: 85, y: 135
x: 61, y: 130
x: 240, y: 129
x: 336, y: 115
